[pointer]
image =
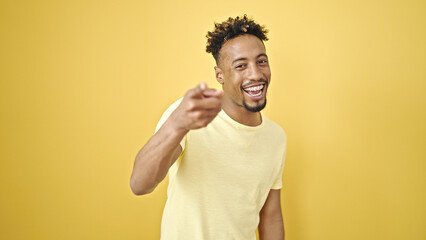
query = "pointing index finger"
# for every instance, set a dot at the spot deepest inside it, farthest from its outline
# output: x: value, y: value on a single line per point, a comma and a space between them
x: 198, y: 90
x: 212, y: 93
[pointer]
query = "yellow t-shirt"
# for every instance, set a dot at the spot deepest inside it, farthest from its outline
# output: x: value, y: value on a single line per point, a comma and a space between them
x: 220, y: 182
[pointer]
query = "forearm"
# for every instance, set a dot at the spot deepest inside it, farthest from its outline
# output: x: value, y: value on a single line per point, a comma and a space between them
x: 155, y: 158
x: 198, y: 108
x: 272, y: 229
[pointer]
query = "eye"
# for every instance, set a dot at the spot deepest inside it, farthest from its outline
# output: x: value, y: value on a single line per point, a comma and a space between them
x: 240, y: 66
x: 263, y: 61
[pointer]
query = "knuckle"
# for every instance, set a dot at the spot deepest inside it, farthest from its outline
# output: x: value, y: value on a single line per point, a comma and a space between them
x: 191, y: 105
x: 198, y: 115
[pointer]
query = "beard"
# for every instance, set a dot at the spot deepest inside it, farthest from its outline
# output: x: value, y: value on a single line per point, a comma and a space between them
x: 257, y: 108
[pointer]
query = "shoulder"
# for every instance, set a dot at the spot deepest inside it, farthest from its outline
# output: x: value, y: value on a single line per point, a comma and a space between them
x: 171, y: 108
x: 174, y: 105
x: 167, y: 113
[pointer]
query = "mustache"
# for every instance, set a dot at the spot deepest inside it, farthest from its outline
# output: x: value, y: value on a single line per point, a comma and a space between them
x: 262, y: 80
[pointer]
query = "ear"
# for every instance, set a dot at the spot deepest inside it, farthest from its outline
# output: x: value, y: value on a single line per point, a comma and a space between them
x: 219, y: 75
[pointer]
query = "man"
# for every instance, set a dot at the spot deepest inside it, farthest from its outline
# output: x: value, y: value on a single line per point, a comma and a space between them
x: 224, y: 158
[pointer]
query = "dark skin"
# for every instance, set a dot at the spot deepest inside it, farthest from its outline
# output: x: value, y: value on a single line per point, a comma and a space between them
x: 243, y: 63
x: 198, y: 108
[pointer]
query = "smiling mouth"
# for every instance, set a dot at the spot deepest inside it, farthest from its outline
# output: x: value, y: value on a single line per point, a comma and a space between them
x: 255, y: 91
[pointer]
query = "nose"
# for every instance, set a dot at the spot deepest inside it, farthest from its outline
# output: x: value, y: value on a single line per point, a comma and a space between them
x: 255, y: 74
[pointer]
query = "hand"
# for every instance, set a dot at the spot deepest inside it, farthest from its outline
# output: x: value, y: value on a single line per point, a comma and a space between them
x: 198, y: 108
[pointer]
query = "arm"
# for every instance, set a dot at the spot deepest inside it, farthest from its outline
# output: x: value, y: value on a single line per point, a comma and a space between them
x: 197, y: 109
x: 271, y: 225
x: 156, y: 157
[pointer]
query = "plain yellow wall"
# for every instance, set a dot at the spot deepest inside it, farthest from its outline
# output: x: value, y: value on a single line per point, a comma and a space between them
x: 83, y: 84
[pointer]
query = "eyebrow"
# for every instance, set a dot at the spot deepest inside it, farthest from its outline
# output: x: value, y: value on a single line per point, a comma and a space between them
x: 241, y: 59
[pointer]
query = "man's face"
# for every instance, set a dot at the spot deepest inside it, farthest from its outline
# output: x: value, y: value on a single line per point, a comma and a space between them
x: 244, y: 72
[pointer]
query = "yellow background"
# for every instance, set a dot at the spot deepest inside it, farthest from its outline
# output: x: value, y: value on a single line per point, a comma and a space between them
x: 83, y: 84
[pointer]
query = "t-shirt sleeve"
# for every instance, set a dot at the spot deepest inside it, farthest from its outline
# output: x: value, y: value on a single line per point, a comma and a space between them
x: 166, y: 115
x: 278, y: 181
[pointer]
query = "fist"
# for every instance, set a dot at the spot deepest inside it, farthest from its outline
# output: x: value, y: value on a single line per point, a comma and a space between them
x: 198, y: 108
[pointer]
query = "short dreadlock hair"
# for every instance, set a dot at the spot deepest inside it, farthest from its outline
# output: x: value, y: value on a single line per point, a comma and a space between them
x: 232, y: 28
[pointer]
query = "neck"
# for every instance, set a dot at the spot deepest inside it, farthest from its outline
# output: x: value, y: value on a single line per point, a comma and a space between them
x: 241, y: 114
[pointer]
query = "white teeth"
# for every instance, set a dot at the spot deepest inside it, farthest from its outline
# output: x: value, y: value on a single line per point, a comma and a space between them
x: 257, y: 94
x: 255, y: 88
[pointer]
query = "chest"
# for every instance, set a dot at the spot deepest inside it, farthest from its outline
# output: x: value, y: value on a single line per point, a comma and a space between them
x: 231, y: 157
